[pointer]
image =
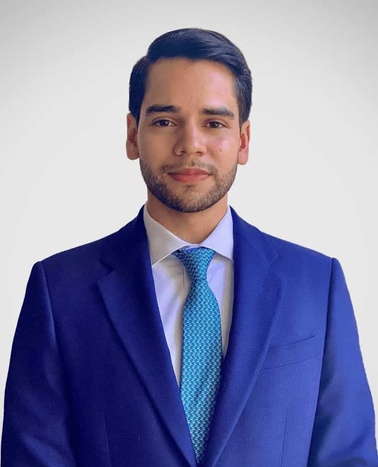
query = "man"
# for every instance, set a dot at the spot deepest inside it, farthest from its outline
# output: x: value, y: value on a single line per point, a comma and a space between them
x: 189, y: 337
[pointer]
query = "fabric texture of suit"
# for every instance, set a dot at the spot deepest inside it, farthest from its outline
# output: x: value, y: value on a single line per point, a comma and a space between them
x: 91, y: 382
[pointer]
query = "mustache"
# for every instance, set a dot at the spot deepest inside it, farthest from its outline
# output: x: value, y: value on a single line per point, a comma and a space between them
x: 189, y: 165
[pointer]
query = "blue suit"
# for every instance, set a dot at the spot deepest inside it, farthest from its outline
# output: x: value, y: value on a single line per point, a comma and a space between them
x: 91, y: 382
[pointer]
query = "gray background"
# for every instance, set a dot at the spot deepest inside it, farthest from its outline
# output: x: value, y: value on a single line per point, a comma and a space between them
x: 312, y: 176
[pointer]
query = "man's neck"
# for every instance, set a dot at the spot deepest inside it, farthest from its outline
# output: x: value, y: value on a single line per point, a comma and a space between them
x: 193, y: 227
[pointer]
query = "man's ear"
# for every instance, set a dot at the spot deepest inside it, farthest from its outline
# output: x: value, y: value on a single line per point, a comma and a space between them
x: 132, y: 149
x: 244, y: 143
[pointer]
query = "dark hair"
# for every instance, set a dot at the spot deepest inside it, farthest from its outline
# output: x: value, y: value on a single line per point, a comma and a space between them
x: 193, y: 44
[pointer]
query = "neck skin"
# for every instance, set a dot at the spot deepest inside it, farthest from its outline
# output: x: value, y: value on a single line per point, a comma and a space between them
x: 193, y: 227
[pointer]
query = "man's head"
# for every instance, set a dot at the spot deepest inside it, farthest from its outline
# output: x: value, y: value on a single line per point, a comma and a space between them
x: 188, y: 123
x: 193, y: 44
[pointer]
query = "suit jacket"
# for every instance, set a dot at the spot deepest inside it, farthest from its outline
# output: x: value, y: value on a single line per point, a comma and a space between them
x: 91, y: 382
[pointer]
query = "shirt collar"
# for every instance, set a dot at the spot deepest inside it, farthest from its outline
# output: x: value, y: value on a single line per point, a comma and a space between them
x: 162, y: 242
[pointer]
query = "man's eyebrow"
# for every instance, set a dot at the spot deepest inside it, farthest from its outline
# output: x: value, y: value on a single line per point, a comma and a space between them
x: 218, y: 111
x: 157, y: 108
x: 214, y: 111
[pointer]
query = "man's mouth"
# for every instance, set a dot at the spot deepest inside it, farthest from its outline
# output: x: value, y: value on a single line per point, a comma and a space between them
x: 189, y: 175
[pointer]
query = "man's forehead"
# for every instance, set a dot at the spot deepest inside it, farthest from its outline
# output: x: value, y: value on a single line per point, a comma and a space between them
x: 173, y: 76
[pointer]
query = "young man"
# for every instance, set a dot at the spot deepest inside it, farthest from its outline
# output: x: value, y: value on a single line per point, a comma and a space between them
x: 189, y: 337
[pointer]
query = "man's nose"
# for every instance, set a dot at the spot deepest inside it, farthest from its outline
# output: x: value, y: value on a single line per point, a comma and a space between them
x: 190, y: 141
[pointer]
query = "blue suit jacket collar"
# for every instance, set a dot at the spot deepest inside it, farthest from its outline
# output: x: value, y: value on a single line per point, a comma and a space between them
x: 129, y: 294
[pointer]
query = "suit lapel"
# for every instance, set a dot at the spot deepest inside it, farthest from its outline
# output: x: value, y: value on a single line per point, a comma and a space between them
x: 258, y: 291
x: 129, y: 295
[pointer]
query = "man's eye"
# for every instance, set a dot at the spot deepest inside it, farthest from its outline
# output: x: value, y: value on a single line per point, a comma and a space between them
x: 215, y: 124
x: 162, y: 122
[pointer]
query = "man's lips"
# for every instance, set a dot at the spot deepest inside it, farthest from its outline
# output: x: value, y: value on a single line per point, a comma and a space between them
x: 189, y: 175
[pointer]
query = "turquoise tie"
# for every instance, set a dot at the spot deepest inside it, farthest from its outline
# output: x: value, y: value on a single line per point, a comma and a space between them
x: 202, y: 347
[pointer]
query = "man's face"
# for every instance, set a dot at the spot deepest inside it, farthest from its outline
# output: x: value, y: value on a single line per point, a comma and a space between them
x: 189, y: 139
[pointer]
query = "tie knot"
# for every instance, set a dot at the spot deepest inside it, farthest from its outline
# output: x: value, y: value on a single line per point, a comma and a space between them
x: 196, y: 261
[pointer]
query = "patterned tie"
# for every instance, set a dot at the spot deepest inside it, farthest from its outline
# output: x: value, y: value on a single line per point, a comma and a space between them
x: 202, y: 347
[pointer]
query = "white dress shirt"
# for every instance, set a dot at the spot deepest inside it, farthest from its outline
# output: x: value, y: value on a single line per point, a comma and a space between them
x: 172, y: 282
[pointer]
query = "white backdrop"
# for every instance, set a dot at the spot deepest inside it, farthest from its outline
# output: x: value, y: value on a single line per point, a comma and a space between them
x: 312, y: 177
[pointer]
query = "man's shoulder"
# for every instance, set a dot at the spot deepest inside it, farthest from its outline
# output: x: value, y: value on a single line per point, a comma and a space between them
x: 79, y: 260
x: 89, y: 258
x: 286, y: 247
x: 290, y: 254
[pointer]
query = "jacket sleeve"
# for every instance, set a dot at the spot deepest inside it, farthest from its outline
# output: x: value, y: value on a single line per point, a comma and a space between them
x: 36, y: 412
x: 344, y: 425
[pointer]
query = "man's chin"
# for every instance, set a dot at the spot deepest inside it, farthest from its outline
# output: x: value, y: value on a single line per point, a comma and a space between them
x: 184, y: 205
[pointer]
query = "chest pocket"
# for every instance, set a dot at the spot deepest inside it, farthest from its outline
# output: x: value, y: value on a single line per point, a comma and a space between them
x: 288, y: 354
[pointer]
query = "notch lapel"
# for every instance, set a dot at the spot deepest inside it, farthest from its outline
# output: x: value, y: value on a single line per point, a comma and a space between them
x: 258, y: 292
x: 129, y: 295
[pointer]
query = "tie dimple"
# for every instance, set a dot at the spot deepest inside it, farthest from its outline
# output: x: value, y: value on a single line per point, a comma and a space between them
x: 202, y: 347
